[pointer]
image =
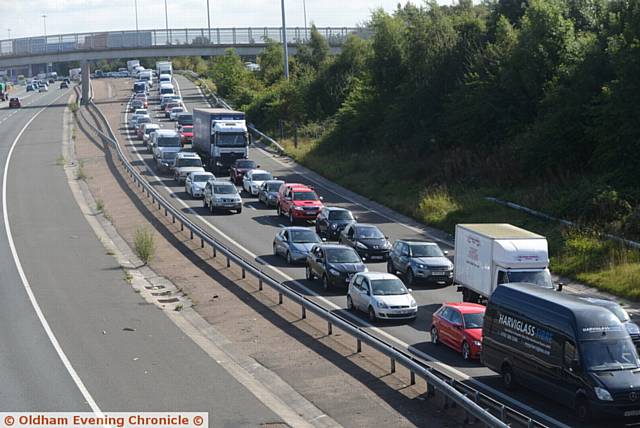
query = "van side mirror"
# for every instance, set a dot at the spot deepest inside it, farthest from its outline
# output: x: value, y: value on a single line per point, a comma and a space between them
x: 446, y: 252
x: 560, y: 285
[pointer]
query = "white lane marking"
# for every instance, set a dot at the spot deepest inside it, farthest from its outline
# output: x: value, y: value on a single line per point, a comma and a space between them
x: 25, y: 282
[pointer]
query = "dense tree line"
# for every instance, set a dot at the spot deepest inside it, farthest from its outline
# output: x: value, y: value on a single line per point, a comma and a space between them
x: 536, y: 95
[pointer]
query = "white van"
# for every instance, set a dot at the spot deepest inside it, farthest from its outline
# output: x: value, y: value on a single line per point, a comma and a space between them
x: 166, y: 88
x: 164, y: 78
x: 146, y: 76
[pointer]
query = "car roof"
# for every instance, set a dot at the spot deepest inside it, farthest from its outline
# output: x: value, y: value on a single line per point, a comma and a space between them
x: 416, y: 242
x: 188, y: 155
x: 201, y: 173
x: 259, y: 171
x: 335, y: 209
x: 334, y: 246
x: 296, y: 228
x: 152, y: 126
x: 378, y: 275
x: 166, y: 132
x: 466, y: 307
x: 220, y: 181
x: 365, y: 225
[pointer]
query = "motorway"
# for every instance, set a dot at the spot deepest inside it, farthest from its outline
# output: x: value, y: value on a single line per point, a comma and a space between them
x: 74, y: 335
x: 251, y: 235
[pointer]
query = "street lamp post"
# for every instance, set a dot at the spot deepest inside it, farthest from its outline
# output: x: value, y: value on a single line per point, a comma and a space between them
x: 135, y: 2
x: 166, y: 19
x: 9, y: 31
x: 209, y: 21
x: 44, y: 20
x: 284, y: 42
x: 304, y: 10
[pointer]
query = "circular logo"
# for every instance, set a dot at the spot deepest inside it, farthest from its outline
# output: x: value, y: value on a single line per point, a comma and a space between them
x: 633, y: 396
x: 9, y: 420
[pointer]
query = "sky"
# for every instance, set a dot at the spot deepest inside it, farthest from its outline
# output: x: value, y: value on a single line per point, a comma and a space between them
x: 23, y: 18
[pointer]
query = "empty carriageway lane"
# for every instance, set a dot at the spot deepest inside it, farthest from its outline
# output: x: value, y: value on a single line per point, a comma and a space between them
x: 126, y: 355
x: 31, y: 372
x: 251, y: 235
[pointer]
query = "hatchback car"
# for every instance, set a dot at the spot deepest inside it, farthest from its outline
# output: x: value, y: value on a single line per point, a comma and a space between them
x: 195, y: 182
x: 175, y: 111
x: 253, y: 179
x: 331, y: 221
x: 268, y: 192
x: 137, y: 103
x: 239, y: 168
x: 417, y: 260
x: 381, y: 296
x: 333, y: 264
x: 294, y: 243
x: 186, y: 134
x: 459, y: 326
x: 186, y: 163
x: 15, y: 103
x: 221, y: 195
x: 367, y: 240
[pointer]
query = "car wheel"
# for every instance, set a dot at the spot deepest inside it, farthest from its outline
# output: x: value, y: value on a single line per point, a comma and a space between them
x: 350, y: 306
x: 466, y: 351
x: 211, y: 209
x: 326, y: 286
x: 583, y: 412
x: 291, y: 219
x: 390, y: 268
x: 239, y: 210
x: 289, y: 259
x: 508, y: 380
x: 309, y: 273
x: 275, y: 250
x: 372, y: 315
x: 435, y: 339
x: 410, y: 277
x: 204, y: 202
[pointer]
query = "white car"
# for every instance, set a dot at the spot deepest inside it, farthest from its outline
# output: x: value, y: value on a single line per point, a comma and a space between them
x: 44, y: 88
x: 253, y: 179
x: 173, y: 115
x: 381, y: 296
x: 186, y: 163
x: 146, y: 133
x: 195, y: 182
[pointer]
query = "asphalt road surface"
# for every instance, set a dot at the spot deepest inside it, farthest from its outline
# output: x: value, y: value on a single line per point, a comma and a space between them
x: 127, y: 353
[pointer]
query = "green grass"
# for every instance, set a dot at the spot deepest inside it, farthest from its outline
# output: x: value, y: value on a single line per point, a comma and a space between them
x: 144, y: 244
x: 408, y: 188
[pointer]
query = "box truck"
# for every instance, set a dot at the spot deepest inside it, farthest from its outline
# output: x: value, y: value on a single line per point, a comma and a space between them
x: 492, y: 254
x: 220, y: 137
x: 131, y: 66
x: 164, y: 67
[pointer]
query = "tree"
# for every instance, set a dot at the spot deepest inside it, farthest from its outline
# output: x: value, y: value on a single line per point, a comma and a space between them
x: 271, y: 62
x: 316, y: 51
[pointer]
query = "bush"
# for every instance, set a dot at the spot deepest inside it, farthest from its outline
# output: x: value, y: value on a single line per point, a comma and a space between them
x: 144, y: 244
x: 435, y: 205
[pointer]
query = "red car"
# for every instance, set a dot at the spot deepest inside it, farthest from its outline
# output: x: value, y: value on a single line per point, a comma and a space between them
x: 186, y: 134
x: 238, y: 169
x: 459, y: 326
x: 298, y: 202
x: 15, y: 103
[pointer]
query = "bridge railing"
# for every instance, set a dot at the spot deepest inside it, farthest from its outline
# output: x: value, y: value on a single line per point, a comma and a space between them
x: 195, y: 37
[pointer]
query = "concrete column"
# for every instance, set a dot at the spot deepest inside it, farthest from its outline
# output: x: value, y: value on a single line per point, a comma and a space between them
x: 30, y: 71
x: 86, y: 81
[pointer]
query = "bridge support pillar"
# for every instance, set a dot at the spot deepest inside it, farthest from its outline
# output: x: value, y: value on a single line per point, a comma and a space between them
x: 86, y: 82
x: 30, y: 73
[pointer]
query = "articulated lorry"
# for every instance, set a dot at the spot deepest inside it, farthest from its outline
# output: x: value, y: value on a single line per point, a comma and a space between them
x: 220, y: 137
x: 491, y: 254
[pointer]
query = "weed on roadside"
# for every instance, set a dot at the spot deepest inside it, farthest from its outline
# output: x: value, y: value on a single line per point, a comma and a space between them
x: 128, y: 277
x: 178, y: 307
x: 99, y: 205
x: 61, y: 160
x: 80, y: 173
x: 144, y: 244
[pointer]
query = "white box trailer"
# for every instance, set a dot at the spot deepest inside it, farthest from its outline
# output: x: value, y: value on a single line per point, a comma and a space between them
x: 490, y: 254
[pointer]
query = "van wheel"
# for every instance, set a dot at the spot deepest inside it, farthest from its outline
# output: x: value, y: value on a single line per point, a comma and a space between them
x: 372, y: 315
x: 309, y: 273
x: 435, y: 339
x: 350, y: 306
x: 410, y: 277
x: 466, y: 351
x: 508, y: 379
x: 583, y: 412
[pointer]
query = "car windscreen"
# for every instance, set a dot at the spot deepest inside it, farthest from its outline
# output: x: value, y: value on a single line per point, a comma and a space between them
x: 342, y: 255
x: 232, y: 139
x: 224, y: 189
x: 169, y: 142
x: 169, y: 155
x: 273, y: 187
x: 150, y: 129
x: 426, y: 251
x: 200, y: 178
x: 340, y: 215
x: 185, y: 119
x: 305, y: 196
x: 303, y: 236
x: 143, y: 119
x: 245, y: 164
x: 187, y: 129
x: 541, y: 278
x: 601, y: 355
x: 189, y: 162
x: 388, y: 287
x: 473, y: 320
x: 177, y: 109
x: 261, y: 177
x: 369, y: 233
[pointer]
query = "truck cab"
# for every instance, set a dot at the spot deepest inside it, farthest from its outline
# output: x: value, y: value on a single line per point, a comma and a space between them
x: 220, y: 137
x: 166, y: 145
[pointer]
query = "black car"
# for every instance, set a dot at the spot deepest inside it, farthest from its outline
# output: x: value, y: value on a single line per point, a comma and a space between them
x: 64, y: 85
x: 31, y: 87
x: 331, y: 221
x: 333, y: 264
x: 367, y: 240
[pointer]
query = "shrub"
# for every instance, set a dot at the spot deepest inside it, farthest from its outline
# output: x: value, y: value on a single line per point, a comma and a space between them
x: 435, y: 205
x: 144, y: 244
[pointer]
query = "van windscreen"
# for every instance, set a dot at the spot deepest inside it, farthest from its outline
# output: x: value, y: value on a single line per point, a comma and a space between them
x: 604, y: 355
x: 541, y: 278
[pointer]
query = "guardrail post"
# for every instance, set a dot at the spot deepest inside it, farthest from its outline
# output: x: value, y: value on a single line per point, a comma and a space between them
x: 166, y: 212
x: 228, y: 262
x: 503, y: 414
x: 412, y: 378
x: 173, y: 218
x: 243, y: 274
x: 359, y: 346
x: 191, y: 236
x: 329, y: 328
x: 215, y: 253
x: 304, y: 312
x: 393, y: 365
x: 260, y: 284
x: 201, y: 243
x: 530, y: 423
x: 279, y: 298
x: 431, y: 391
x: 181, y: 226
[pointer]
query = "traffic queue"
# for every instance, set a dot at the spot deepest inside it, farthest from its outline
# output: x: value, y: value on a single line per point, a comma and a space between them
x: 512, y: 318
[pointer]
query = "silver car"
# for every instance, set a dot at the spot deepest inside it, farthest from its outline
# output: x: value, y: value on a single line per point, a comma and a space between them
x: 294, y: 243
x: 418, y: 260
x: 195, y: 183
x: 221, y: 195
x: 381, y: 296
